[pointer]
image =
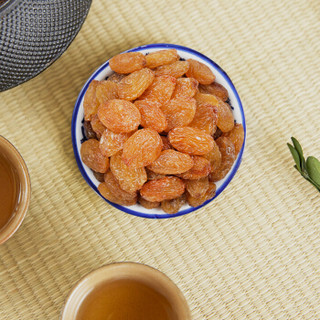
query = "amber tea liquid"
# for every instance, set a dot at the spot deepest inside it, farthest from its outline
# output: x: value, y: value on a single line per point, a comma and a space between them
x: 9, y: 190
x: 125, y: 299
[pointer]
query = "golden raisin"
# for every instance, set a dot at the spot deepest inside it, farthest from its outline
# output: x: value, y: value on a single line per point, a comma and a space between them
x: 152, y: 175
x: 148, y: 204
x: 236, y: 135
x: 205, y: 118
x: 106, y: 90
x: 161, y: 57
x: 176, y: 69
x: 196, y: 202
x: 111, y: 142
x: 200, y: 72
x: 201, y: 168
x: 130, y: 179
x: 92, y: 156
x: 161, y: 89
x: 216, y: 89
x: 185, y: 87
x: 90, y: 102
x: 166, y: 143
x: 171, y: 162
x: 166, y: 188
x: 228, y: 156
x: 179, y: 112
x: 214, y: 156
x: 197, y: 188
x: 132, y: 86
x: 174, y: 205
x: 116, y: 77
x: 191, y: 140
x: 112, y: 191
x: 97, y: 126
x: 142, y: 148
x: 151, y: 115
x: 127, y: 62
x: 203, y: 98
x: 225, y: 120
x: 119, y: 115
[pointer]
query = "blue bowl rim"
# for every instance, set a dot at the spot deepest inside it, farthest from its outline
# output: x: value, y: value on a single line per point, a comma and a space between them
x: 126, y: 209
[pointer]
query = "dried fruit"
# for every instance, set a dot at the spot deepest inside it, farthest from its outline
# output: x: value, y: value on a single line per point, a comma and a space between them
x: 196, y: 202
x: 92, y: 156
x: 174, y: 205
x: 111, y: 142
x: 225, y: 120
x: 132, y: 86
x: 214, y: 156
x: 127, y: 62
x: 116, y: 77
x: 153, y: 176
x: 216, y: 89
x: 179, y: 112
x: 228, y: 155
x: 171, y: 162
x: 217, y: 134
x: 151, y: 115
x: 166, y: 188
x: 197, y: 188
x: 201, y: 168
x: 236, y: 135
x: 176, y: 69
x: 205, y: 118
x: 99, y: 176
x: 203, y: 98
x: 162, y: 57
x: 161, y: 89
x: 97, y: 126
x: 142, y: 148
x: 191, y: 140
x: 185, y: 87
x: 129, y: 179
x: 148, y: 204
x: 88, y: 131
x: 166, y: 143
x: 112, y: 191
x: 90, y: 102
x: 106, y: 90
x: 119, y: 115
x: 200, y: 72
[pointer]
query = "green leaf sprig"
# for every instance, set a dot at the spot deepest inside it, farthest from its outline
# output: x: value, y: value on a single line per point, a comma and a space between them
x: 310, y: 168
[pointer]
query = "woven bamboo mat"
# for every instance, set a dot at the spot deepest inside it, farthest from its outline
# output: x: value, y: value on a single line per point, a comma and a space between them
x: 254, y: 252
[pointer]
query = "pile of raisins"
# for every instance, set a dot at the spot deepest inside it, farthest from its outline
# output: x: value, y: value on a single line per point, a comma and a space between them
x: 160, y: 131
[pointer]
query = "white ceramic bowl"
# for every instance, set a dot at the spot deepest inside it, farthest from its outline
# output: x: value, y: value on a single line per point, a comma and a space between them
x: 102, y: 73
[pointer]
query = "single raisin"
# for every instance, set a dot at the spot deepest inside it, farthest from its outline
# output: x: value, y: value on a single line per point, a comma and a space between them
x: 106, y: 90
x: 173, y: 206
x: 132, y: 86
x: 179, y: 112
x: 90, y: 102
x: 127, y: 62
x: 216, y: 89
x: 119, y: 115
x: 148, y: 204
x: 161, y: 89
x: 200, y: 72
x: 171, y: 162
x: 191, y: 140
x: 185, y: 87
x: 176, y: 69
x: 228, y: 156
x: 197, y: 188
x: 130, y: 179
x: 97, y: 126
x: 142, y: 148
x: 198, y: 201
x: 201, y: 168
x: 92, y: 156
x: 166, y: 188
x: 205, y: 118
x: 151, y: 115
x: 225, y: 120
x: 236, y: 135
x: 161, y: 57
x: 214, y: 156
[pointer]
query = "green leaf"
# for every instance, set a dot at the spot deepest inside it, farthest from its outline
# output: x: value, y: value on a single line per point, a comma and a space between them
x: 313, y: 169
x: 300, y: 152
x: 295, y: 156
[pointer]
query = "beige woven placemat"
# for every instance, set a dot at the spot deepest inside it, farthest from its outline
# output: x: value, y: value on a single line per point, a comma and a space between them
x: 254, y: 252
